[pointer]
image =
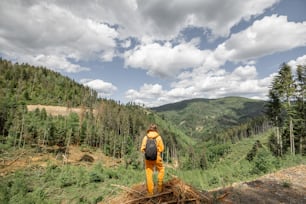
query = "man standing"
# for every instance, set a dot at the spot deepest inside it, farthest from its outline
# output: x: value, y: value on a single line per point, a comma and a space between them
x: 156, y: 161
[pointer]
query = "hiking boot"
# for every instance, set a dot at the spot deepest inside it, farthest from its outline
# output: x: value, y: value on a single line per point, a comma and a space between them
x: 160, y: 188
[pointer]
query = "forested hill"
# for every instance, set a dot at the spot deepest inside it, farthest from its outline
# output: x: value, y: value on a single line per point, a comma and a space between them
x: 23, y: 83
x: 115, y: 128
x: 209, y: 117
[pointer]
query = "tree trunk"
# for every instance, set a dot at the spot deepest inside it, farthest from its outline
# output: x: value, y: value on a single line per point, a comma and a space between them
x: 292, y: 146
x: 278, y: 142
x: 301, y: 144
x: 21, y: 131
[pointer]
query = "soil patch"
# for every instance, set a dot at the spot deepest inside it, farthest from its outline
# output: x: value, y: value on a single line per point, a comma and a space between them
x: 59, y: 110
x: 285, y: 186
x: 74, y: 155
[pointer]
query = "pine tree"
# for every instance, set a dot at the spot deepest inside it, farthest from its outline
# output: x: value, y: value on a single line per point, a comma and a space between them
x: 283, y: 89
x: 301, y: 107
x: 274, y: 112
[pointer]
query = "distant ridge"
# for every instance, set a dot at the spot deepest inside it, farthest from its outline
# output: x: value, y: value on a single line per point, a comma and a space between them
x: 182, y: 104
x: 202, y: 116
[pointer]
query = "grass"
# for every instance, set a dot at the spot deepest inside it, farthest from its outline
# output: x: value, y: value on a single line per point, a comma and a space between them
x: 73, y: 184
x: 235, y: 168
x: 81, y: 184
x: 77, y: 184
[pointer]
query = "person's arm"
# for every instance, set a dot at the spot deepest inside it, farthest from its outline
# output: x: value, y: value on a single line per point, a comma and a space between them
x: 143, y: 144
x: 160, y: 144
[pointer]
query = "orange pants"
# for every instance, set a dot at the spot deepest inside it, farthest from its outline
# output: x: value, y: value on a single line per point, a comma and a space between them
x: 158, y: 164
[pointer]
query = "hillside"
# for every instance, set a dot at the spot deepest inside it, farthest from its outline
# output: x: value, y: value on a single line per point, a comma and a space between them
x: 204, y: 117
x: 26, y: 84
x: 41, y: 107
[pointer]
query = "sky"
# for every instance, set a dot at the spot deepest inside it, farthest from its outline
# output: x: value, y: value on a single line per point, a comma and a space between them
x: 155, y: 52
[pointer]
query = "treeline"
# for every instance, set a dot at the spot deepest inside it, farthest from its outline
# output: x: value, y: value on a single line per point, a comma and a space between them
x: 228, y: 119
x: 255, y: 126
x: 287, y: 111
x: 23, y: 83
x: 115, y: 128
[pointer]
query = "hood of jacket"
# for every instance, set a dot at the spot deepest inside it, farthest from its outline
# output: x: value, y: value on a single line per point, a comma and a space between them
x: 152, y: 134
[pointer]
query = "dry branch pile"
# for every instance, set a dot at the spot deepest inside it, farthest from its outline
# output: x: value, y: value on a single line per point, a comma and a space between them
x: 175, y: 191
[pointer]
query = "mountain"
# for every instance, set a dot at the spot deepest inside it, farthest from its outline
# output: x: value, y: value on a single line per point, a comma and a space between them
x: 205, y: 117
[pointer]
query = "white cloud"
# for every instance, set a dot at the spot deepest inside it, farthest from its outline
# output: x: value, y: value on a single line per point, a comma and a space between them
x: 299, y: 61
x: 205, y: 83
x: 103, y: 88
x: 57, y: 63
x: 46, y: 29
x: 164, y: 60
x: 163, y: 20
x: 126, y: 43
x: 60, y: 34
x: 247, y: 72
x: 159, y: 20
x: 147, y: 91
x: 84, y: 31
x: 166, y: 18
x: 219, y: 83
x: 148, y: 94
x: 266, y: 36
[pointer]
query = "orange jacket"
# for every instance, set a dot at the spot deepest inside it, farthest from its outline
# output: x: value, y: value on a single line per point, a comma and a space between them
x: 159, y: 141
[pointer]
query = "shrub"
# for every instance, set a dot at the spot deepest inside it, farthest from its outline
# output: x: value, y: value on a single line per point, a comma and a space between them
x: 286, y: 184
x: 252, y: 153
x: 66, y: 177
x: 263, y: 162
x: 4, y: 192
x: 95, y: 177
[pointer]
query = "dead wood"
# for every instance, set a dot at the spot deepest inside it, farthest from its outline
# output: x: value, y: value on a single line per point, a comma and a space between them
x: 175, y: 191
x: 15, y: 159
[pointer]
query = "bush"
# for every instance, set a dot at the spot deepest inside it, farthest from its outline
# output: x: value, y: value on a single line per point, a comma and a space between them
x: 214, y: 153
x: 66, y: 177
x: 263, y: 162
x: 252, y: 153
x: 18, y: 188
x: 4, y: 192
x: 95, y: 177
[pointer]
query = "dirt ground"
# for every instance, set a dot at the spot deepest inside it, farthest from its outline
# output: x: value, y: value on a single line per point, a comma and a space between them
x: 285, y: 186
x: 58, y: 110
x: 56, y: 155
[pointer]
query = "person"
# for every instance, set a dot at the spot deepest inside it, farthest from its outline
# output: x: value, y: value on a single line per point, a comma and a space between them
x: 158, y: 163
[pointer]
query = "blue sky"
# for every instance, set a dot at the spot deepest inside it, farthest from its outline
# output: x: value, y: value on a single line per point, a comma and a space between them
x: 156, y: 52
